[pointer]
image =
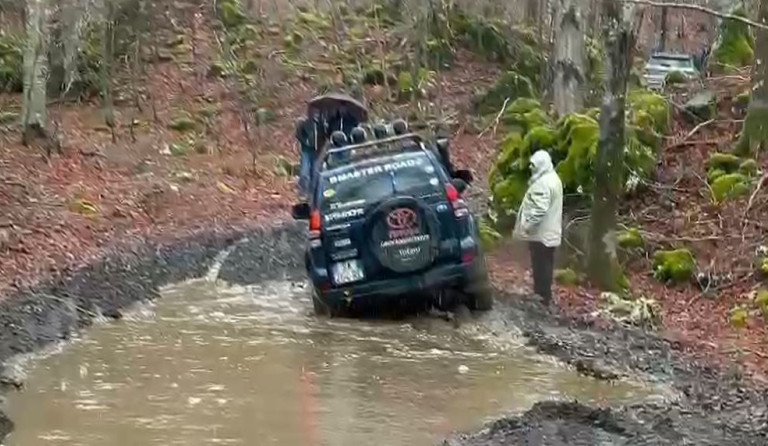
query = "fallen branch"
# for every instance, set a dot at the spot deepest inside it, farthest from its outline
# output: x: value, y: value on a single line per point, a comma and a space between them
x: 695, y: 142
x: 699, y: 8
x: 495, y: 123
x: 754, y: 194
x: 750, y: 203
x: 696, y: 129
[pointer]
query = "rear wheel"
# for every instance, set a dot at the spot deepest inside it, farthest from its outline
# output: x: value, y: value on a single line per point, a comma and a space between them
x: 480, y: 299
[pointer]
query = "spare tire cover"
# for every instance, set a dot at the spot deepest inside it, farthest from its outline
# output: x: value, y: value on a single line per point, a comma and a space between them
x: 403, y: 234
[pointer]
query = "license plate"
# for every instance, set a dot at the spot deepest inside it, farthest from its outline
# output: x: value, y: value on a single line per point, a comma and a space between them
x: 348, y: 271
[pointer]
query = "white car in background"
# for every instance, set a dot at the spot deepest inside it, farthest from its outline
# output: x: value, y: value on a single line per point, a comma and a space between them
x: 661, y: 64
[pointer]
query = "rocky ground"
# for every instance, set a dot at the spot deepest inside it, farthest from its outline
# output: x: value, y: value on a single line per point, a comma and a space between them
x: 85, y: 233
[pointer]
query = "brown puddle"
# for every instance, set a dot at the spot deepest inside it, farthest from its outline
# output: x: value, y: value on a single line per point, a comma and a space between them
x: 211, y: 364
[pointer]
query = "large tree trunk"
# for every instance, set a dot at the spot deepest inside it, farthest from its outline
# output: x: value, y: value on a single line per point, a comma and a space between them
x: 569, y: 57
x: 664, y: 30
x: 35, y: 72
x: 532, y: 11
x: 754, y: 137
x: 604, y: 269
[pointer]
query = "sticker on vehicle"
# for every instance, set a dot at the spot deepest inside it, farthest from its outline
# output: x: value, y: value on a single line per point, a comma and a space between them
x: 328, y: 193
x: 362, y: 173
x: 343, y: 215
x: 434, y: 181
x: 429, y: 169
x: 347, y: 204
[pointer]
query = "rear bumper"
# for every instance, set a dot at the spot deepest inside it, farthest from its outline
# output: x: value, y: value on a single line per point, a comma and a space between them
x: 466, y: 275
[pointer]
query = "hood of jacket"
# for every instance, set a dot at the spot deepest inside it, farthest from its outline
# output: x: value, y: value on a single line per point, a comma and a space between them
x: 541, y: 164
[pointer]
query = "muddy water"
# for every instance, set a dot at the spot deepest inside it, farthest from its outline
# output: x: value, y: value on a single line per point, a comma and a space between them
x: 213, y: 364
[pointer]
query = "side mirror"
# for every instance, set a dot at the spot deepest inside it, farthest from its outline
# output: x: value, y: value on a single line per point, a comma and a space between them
x: 300, y: 211
x: 464, y: 175
x: 460, y: 185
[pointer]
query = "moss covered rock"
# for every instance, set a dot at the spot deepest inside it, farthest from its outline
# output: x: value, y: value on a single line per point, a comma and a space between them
x: 727, y: 162
x: 567, y: 277
x: 730, y: 185
x: 749, y: 167
x: 673, y: 266
x: 647, y: 108
x: 762, y: 267
x: 738, y: 316
x: 701, y: 107
x: 735, y: 45
x: 630, y: 239
x: 510, y: 86
x: 674, y: 78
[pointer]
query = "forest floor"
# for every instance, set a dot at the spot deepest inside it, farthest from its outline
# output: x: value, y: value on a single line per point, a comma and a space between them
x: 61, y: 212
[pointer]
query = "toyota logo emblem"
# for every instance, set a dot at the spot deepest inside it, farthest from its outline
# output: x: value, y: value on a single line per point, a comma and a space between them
x: 402, y: 218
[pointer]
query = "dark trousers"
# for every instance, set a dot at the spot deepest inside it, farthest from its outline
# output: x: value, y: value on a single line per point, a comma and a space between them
x: 543, y: 266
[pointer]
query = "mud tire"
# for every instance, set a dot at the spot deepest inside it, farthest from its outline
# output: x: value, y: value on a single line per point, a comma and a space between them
x: 481, y: 299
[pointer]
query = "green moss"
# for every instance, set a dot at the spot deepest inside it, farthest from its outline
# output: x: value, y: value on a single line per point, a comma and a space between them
x: 523, y: 114
x: 673, y: 266
x: 674, y: 78
x: 509, y: 192
x: 755, y: 133
x: 11, y: 61
x: 182, y: 123
x: 538, y: 138
x: 741, y: 102
x: 727, y: 162
x: 578, y: 136
x: 738, y: 316
x: 630, y: 239
x: 489, y: 237
x: 736, y: 45
x: 762, y: 267
x: 655, y: 107
x: 714, y: 174
x: 511, y: 85
x: 83, y: 207
x: 566, y: 277
x: 523, y: 105
x: 231, y: 14
x: 730, y: 185
x: 761, y: 302
x: 749, y: 167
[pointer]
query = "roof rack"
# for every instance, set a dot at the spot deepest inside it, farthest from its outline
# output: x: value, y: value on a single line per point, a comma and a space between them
x: 383, y: 143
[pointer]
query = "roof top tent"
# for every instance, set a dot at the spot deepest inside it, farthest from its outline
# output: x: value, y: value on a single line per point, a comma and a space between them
x: 335, y: 111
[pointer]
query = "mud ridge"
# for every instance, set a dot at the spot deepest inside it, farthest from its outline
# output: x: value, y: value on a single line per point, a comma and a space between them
x: 713, y: 409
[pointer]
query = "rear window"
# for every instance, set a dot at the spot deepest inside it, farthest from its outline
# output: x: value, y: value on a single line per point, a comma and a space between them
x: 672, y: 63
x: 352, y: 188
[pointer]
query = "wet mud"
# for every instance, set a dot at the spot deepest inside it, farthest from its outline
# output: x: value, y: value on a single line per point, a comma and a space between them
x: 713, y: 407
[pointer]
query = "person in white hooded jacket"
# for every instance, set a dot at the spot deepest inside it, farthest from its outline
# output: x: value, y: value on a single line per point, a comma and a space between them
x: 540, y: 220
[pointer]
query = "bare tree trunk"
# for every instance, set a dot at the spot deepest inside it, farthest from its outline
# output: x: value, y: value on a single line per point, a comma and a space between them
x: 569, y: 57
x: 604, y: 269
x: 664, y: 29
x: 107, y: 54
x: 532, y: 11
x: 34, y: 117
x: 754, y: 137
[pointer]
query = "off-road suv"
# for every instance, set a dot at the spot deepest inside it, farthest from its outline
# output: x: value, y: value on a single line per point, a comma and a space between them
x: 388, y: 220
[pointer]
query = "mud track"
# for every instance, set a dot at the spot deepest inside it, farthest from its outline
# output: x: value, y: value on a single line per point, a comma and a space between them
x: 714, y: 408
